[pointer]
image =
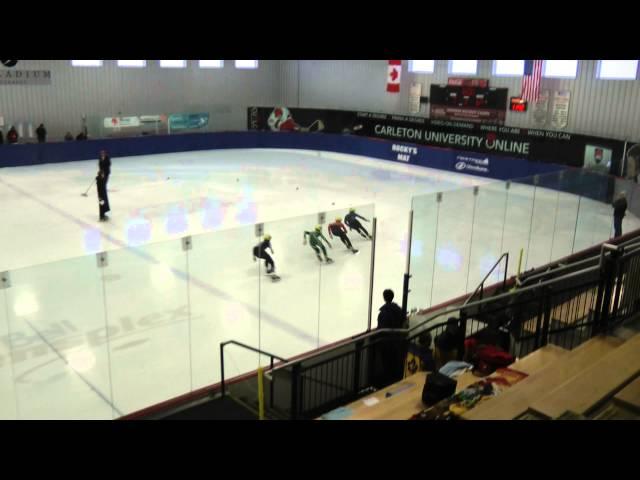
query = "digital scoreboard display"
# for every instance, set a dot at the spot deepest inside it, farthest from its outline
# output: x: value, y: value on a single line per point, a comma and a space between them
x: 517, y: 104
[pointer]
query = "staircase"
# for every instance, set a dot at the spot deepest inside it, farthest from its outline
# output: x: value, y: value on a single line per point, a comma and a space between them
x: 600, y: 379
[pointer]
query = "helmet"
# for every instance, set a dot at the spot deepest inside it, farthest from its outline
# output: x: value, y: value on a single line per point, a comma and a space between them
x: 267, y: 237
x: 352, y: 210
x: 339, y: 219
x: 318, y: 228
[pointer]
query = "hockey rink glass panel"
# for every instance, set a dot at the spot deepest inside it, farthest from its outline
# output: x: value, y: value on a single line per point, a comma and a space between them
x: 453, y: 244
x: 225, y: 302
x: 289, y: 308
x: 488, y: 223
x: 566, y: 211
x: 148, y: 307
x: 8, y: 401
x: 594, y: 223
x: 423, y: 242
x: 542, y: 222
x: 59, y: 341
x: 344, y: 284
x: 517, y: 222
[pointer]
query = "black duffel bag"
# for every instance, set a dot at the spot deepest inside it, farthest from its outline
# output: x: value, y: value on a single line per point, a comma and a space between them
x: 437, y: 387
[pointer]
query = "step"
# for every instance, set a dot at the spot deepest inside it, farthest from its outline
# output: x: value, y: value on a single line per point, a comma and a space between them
x: 515, y: 401
x: 585, y: 390
x: 539, y: 359
x: 629, y: 396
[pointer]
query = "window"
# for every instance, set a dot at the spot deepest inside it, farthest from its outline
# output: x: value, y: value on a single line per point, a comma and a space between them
x: 211, y: 63
x: 86, y: 63
x: 464, y: 67
x: 508, y: 68
x: 560, y: 68
x: 173, y: 63
x: 132, y: 63
x: 422, y: 66
x: 246, y: 63
x: 617, y: 69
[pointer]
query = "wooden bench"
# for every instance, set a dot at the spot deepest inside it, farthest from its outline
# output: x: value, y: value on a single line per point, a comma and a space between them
x: 529, y: 364
x: 583, y: 391
x: 399, y: 401
x: 515, y: 401
x: 629, y: 396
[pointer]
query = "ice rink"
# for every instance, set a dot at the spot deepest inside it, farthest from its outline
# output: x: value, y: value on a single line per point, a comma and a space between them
x: 83, y: 340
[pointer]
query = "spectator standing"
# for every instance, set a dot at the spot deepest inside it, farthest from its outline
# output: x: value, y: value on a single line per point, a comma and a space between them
x: 1, y: 137
x: 389, y: 354
x: 619, y: 210
x: 41, y: 133
x: 12, y: 135
x: 390, y: 315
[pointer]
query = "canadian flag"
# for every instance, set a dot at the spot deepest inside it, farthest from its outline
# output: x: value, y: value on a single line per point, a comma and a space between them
x: 393, y: 76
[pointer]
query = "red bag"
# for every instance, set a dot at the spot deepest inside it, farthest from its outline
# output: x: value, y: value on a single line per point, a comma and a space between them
x: 488, y: 358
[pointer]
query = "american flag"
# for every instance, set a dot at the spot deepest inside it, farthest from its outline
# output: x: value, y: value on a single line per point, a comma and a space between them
x: 531, y: 80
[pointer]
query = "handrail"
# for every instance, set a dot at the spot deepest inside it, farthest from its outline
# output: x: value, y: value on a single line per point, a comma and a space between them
x: 248, y: 347
x: 558, y: 269
x: 481, y: 284
x: 503, y: 295
x: 347, y: 342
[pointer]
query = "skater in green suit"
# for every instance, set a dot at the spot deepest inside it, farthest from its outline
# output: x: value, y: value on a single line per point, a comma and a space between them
x: 315, y: 241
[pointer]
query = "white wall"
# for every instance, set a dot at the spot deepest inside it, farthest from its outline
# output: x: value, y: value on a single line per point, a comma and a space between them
x: 608, y: 108
x: 104, y: 91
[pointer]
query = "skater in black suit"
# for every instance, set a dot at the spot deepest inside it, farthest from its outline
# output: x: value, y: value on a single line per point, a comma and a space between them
x: 260, y: 251
x: 351, y: 219
x: 103, y: 199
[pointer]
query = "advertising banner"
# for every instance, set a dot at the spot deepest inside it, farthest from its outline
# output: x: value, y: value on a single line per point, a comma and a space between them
x: 121, y: 122
x: 541, y: 109
x: 560, y: 113
x: 530, y: 144
x: 188, y: 121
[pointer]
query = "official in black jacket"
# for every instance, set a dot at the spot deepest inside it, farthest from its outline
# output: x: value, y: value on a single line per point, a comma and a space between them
x: 103, y: 199
x: 104, y: 165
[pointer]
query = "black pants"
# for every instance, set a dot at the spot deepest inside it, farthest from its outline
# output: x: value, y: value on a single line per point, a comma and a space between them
x: 343, y: 236
x: 357, y: 226
x: 103, y: 199
x: 266, y: 257
x: 317, y: 250
x: 617, y: 226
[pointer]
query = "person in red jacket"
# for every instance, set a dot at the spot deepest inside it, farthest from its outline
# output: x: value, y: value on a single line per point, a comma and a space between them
x: 12, y: 135
x: 338, y: 229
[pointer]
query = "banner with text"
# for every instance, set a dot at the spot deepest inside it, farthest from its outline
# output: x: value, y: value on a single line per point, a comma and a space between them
x: 531, y: 144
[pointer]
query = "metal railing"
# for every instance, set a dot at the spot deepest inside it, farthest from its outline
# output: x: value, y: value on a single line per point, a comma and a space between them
x: 271, y: 356
x: 480, y: 287
x: 565, y: 310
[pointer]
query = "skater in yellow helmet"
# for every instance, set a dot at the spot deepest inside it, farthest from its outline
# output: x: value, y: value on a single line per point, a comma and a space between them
x: 315, y: 241
x: 260, y: 251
